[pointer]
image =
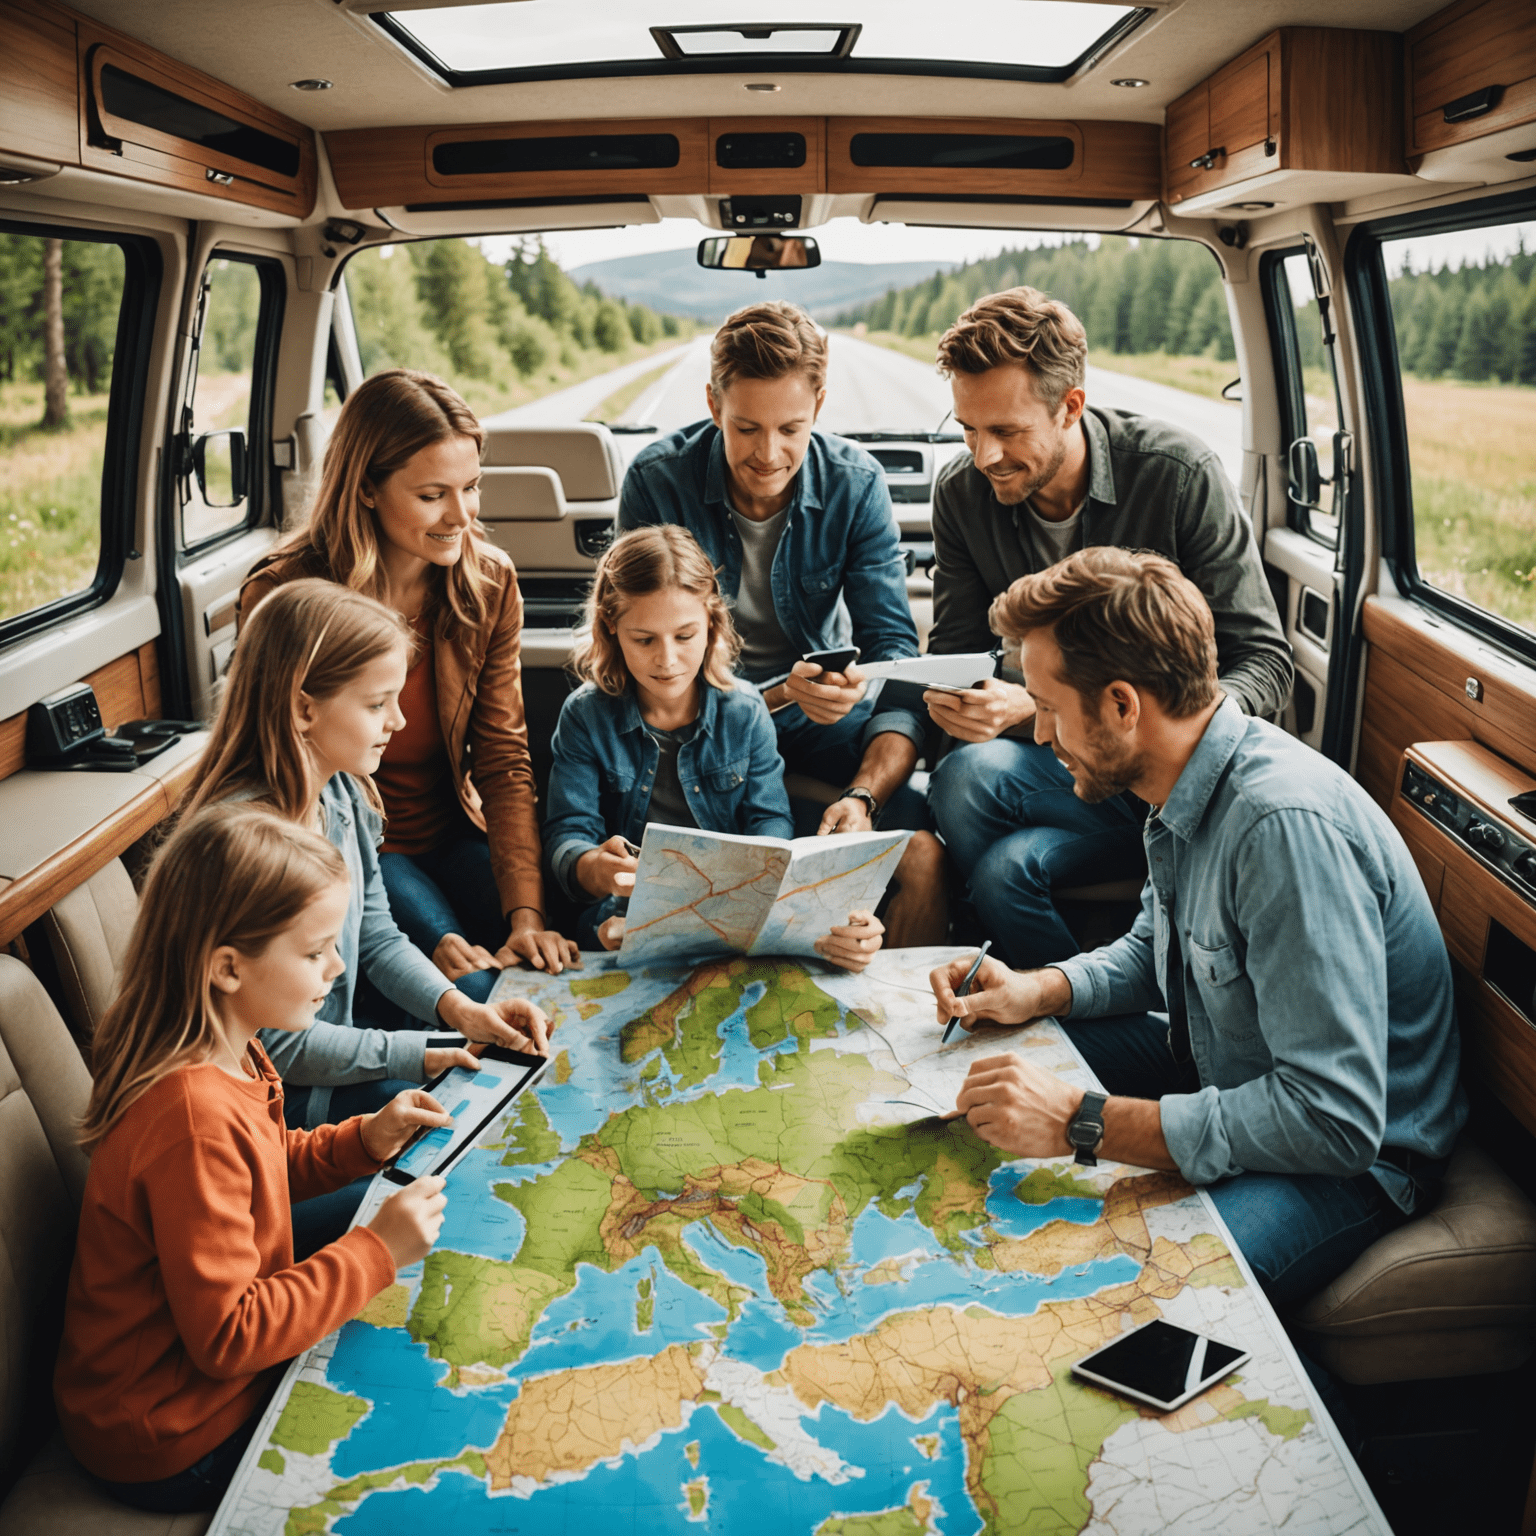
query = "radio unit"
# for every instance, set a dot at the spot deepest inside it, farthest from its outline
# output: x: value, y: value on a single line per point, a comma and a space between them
x: 1494, y: 843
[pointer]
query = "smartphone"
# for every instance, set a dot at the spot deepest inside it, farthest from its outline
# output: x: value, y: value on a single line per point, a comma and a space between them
x: 474, y: 1099
x: 1160, y: 1364
x: 832, y: 661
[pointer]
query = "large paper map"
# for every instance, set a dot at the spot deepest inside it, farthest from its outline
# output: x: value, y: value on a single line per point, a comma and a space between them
x: 702, y: 1276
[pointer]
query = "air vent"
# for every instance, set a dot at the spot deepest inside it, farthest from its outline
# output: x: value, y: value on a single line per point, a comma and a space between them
x: 586, y: 152
x: 133, y: 100
x: 961, y: 151
x: 760, y: 151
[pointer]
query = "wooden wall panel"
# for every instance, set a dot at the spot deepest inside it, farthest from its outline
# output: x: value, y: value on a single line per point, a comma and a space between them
x: 39, y: 96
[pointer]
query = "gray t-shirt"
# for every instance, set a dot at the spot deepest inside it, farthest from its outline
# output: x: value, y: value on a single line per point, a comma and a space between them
x: 1053, y: 541
x: 669, y: 801
x: 765, y: 649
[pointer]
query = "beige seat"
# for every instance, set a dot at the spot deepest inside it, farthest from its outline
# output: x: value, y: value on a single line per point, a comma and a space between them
x: 583, y: 454
x: 1451, y: 1293
x: 44, y: 1087
x: 88, y: 932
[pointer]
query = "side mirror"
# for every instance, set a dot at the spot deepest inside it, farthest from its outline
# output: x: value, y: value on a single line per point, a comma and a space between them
x: 759, y: 253
x: 218, y: 459
x: 1305, y: 479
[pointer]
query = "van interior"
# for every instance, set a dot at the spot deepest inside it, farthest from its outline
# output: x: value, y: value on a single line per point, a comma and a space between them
x: 209, y: 216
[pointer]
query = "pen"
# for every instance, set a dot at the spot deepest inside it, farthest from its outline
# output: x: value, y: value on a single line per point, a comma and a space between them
x: 964, y: 989
x: 630, y: 848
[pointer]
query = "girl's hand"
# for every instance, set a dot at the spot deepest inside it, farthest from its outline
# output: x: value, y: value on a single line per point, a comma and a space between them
x: 607, y: 870
x: 854, y: 945
x: 610, y: 934
x: 455, y: 956
x: 387, y: 1131
x: 513, y: 1021
x: 531, y: 942
x: 439, y: 1059
x: 410, y: 1221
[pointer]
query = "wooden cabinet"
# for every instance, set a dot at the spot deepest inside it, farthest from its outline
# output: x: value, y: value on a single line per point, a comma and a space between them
x: 39, y: 101
x: 1473, y: 63
x: 1303, y: 99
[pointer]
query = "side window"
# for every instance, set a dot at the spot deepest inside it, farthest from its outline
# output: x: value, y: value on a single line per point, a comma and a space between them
x: 1309, y: 395
x: 225, y: 443
x: 75, y: 316
x: 1463, y: 309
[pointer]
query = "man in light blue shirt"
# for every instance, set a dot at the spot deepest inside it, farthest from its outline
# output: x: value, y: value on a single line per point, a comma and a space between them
x: 1306, y: 1067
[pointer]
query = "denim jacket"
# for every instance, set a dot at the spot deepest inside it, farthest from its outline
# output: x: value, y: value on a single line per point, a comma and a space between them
x: 605, y: 768
x: 333, y: 1052
x: 838, y: 574
x: 1316, y: 981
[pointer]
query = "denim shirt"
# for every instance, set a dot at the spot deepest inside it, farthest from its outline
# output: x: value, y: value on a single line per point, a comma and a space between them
x: 1318, y: 989
x: 838, y: 575
x: 333, y: 1052
x: 605, y: 768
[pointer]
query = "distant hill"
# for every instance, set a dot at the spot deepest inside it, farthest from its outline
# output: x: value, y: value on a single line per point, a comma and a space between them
x: 673, y: 282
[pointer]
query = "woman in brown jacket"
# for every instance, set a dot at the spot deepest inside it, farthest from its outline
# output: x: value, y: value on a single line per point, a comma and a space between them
x: 395, y: 518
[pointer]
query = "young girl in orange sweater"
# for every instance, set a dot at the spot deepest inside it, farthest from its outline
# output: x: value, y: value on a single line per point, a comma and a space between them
x: 184, y: 1300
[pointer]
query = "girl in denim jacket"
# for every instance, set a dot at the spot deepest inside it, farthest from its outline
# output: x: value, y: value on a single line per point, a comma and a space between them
x: 662, y: 731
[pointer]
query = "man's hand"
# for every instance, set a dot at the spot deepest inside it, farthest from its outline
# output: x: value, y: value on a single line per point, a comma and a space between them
x: 853, y: 945
x: 385, y: 1132
x: 610, y: 932
x: 409, y: 1222
x: 999, y: 995
x: 607, y: 870
x: 848, y: 815
x: 830, y: 696
x: 980, y: 714
x: 437, y: 1059
x: 513, y: 1021
x: 531, y: 942
x: 1018, y: 1106
x: 455, y: 956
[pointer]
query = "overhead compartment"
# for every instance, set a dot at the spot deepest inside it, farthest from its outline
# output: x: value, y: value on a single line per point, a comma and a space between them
x: 761, y: 156
x: 39, y: 96
x: 147, y: 117
x: 1307, y: 114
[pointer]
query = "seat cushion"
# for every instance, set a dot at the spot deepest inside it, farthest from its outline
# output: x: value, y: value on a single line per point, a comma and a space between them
x: 1451, y: 1293
x: 582, y: 454
x: 88, y: 932
x: 55, y: 1497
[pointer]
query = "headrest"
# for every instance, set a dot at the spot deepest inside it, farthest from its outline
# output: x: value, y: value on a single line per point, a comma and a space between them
x: 528, y: 494
x: 582, y: 454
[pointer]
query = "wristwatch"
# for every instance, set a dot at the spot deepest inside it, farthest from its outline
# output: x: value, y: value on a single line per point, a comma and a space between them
x: 858, y: 792
x: 1085, y: 1130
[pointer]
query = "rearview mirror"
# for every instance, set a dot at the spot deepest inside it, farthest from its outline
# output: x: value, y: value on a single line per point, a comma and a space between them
x: 759, y: 253
x: 218, y: 459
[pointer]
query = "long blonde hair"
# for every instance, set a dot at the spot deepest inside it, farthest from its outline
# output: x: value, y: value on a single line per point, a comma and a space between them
x: 232, y: 874
x: 386, y: 421
x: 308, y: 637
x: 646, y: 560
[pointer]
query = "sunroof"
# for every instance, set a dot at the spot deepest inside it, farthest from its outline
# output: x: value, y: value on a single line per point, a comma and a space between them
x: 544, y: 39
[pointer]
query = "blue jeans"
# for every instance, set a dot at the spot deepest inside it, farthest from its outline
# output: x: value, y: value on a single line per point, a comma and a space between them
x: 1298, y: 1232
x: 1008, y: 815
x: 832, y: 753
x: 200, y: 1487
x: 323, y: 1219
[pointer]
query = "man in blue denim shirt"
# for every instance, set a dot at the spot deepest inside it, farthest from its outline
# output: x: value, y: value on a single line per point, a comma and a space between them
x: 1306, y: 1068
x: 800, y: 527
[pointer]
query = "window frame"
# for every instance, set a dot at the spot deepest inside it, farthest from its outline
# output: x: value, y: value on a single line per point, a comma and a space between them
x: 1365, y: 276
x: 143, y: 272
x: 263, y: 488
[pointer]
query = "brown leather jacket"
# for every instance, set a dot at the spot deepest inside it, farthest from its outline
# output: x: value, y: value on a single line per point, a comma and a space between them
x: 480, y: 708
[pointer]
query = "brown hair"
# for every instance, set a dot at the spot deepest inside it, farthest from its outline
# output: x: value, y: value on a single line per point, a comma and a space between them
x: 1120, y: 615
x: 661, y: 559
x: 311, y: 637
x: 767, y: 341
x: 1019, y: 326
x: 387, y: 420
x: 232, y: 874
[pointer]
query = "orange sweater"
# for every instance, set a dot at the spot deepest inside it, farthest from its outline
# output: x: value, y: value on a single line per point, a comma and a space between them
x: 184, y: 1296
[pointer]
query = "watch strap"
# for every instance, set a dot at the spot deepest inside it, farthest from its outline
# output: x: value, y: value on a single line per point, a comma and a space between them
x: 858, y: 792
x: 1085, y: 1130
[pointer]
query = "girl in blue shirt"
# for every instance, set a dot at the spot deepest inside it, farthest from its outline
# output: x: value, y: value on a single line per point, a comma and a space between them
x: 662, y: 731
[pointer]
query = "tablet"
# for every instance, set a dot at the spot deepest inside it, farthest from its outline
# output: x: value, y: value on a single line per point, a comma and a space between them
x: 1160, y: 1364
x: 474, y: 1099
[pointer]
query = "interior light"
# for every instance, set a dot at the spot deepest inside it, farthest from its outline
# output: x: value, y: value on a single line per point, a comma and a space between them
x: 310, y: 85
x: 1253, y: 207
x: 1130, y: 83
x: 761, y: 85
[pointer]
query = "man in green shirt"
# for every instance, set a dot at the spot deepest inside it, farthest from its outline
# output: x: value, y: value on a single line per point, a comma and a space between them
x: 1046, y: 475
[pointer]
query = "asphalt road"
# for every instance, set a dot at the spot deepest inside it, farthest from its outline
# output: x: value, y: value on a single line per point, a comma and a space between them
x: 871, y: 389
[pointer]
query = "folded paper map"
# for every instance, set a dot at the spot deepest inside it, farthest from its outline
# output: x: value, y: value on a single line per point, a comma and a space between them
x: 961, y: 671
x: 699, y: 894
